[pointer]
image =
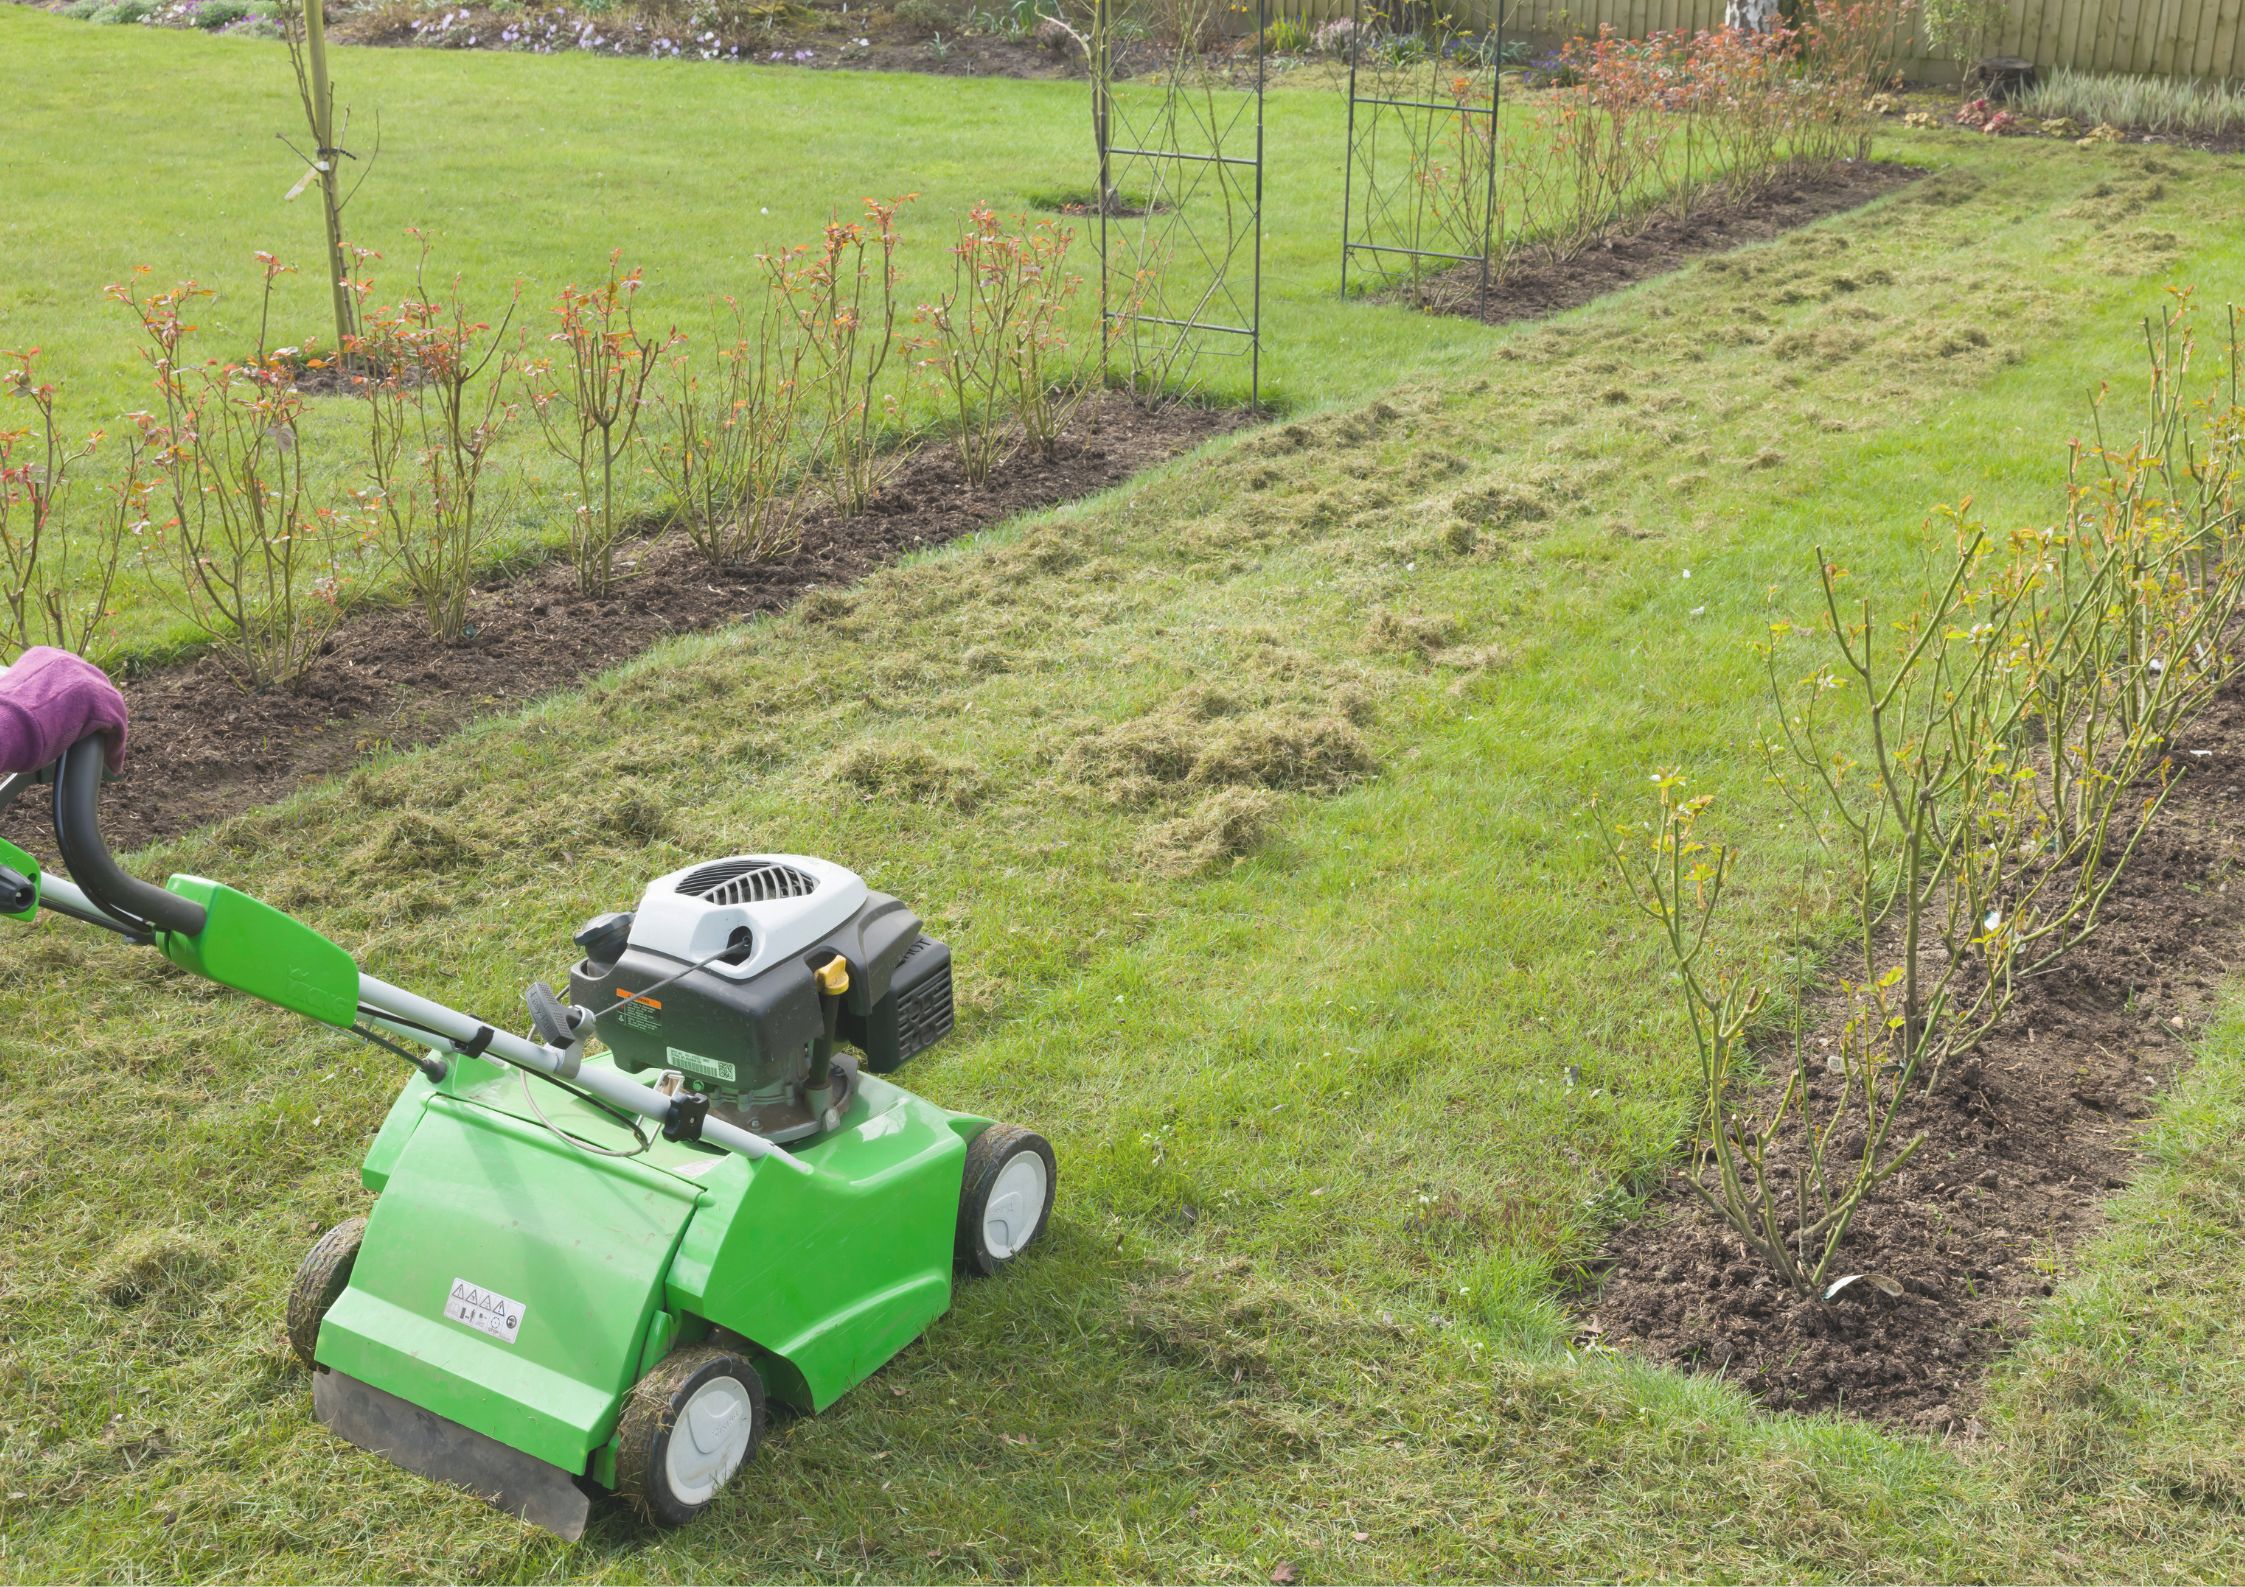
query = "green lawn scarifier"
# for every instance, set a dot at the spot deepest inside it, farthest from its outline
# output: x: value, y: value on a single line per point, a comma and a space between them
x: 572, y: 1280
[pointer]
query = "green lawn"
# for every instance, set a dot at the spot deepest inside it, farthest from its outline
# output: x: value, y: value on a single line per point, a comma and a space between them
x: 533, y: 168
x: 1325, y: 1179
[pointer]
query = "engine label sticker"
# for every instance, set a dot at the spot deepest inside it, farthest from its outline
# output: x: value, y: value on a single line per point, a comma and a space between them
x: 485, y: 1310
x: 640, y: 1013
x: 695, y: 1064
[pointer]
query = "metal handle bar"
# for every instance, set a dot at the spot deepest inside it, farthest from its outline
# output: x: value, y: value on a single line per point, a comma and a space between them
x: 87, y: 857
x: 415, y: 1017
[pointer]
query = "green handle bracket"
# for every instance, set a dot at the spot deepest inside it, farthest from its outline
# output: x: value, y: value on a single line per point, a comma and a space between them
x: 254, y: 948
x: 23, y: 865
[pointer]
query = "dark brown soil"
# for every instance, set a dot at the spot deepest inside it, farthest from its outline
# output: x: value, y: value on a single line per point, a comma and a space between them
x: 1531, y: 291
x: 1117, y: 209
x: 820, y: 38
x: 327, y: 377
x: 2023, y: 1140
x: 203, y: 750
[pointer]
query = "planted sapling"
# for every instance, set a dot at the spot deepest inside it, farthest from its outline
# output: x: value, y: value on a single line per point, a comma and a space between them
x: 730, y: 460
x: 588, y: 397
x: 434, y: 379
x: 61, y: 542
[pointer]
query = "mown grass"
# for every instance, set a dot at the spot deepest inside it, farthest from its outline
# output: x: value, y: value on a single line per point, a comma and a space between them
x: 1252, y: 798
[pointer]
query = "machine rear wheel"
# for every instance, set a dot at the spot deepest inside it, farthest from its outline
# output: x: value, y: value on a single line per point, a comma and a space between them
x: 688, y: 1426
x: 319, y: 1283
x: 1006, y: 1198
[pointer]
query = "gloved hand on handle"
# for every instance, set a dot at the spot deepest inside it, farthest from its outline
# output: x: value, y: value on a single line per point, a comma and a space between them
x: 49, y: 700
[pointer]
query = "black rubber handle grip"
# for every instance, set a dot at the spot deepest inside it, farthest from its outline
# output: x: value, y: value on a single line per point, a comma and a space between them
x: 87, y: 857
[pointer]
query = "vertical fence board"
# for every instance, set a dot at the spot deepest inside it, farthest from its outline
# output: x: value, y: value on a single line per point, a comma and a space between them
x: 2127, y: 34
x: 2118, y: 41
x: 2159, y: 49
x: 2108, y: 34
x: 2181, y: 38
x: 2092, y: 26
x: 2225, y: 62
x: 2156, y: 35
x: 2039, y: 37
x: 2169, y: 54
x: 2064, y: 34
x: 2075, y: 19
x: 2034, y: 29
x: 2195, y: 50
x: 2019, y: 30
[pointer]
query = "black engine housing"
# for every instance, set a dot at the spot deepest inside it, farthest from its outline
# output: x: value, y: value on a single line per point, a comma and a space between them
x: 753, y: 1039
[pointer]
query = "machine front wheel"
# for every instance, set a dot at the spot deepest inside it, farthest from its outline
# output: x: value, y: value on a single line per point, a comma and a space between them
x: 1006, y: 1198
x: 320, y: 1281
x: 688, y: 1426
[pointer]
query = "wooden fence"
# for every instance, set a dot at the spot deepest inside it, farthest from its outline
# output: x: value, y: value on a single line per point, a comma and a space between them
x: 2162, y: 38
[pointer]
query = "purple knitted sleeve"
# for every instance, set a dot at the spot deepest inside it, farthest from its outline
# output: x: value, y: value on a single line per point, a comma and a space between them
x: 49, y: 700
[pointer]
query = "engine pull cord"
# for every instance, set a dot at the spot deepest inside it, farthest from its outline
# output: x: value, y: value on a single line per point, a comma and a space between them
x: 626, y: 999
x: 642, y: 1141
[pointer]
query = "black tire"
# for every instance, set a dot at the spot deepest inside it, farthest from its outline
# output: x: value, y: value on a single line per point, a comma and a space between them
x: 988, y: 1154
x: 650, y: 1420
x: 319, y: 1283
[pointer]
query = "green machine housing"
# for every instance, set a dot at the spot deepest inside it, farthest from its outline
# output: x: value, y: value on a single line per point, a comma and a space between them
x: 518, y: 1285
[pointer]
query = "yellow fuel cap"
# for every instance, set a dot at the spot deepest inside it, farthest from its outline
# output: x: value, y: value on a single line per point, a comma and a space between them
x: 833, y: 976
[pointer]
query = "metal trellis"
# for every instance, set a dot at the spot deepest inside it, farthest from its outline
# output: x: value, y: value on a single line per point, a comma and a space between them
x: 1176, y: 259
x: 1392, y: 219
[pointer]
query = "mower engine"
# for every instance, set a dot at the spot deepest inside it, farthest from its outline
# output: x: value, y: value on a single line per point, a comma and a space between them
x: 740, y: 976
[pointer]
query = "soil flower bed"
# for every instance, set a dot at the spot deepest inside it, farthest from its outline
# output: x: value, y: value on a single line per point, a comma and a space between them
x: 204, y: 750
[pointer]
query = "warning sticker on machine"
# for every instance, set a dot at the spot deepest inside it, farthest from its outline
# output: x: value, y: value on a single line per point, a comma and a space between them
x: 496, y: 1315
x: 694, y: 1063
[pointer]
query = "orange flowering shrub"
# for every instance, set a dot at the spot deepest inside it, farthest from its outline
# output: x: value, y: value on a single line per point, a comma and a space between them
x: 996, y: 343
x: 257, y: 563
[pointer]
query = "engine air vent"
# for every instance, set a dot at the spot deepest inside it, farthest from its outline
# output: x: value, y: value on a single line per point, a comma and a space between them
x: 748, y: 882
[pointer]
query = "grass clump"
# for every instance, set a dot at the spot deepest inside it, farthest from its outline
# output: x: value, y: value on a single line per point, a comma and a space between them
x: 1227, y: 825
x: 1208, y: 738
x: 410, y: 844
x: 170, y: 1269
x: 910, y: 772
x: 1411, y: 633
